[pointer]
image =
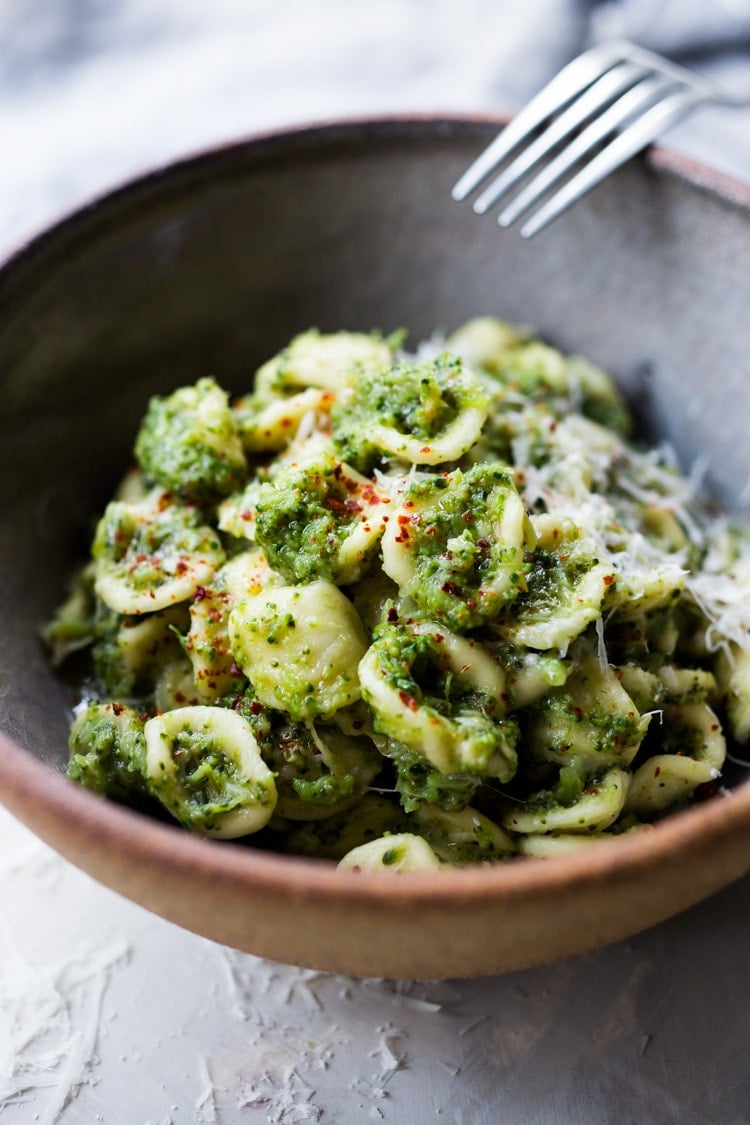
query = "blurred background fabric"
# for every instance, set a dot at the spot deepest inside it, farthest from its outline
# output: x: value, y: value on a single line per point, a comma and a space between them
x: 95, y: 91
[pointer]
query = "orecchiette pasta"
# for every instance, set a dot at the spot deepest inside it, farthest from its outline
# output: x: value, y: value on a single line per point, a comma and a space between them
x: 406, y: 852
x: 401, y: 610
x: 597, y: 807
x: 152, y: 554
x: 423, y: 414
x: 441, y: 695
x: 207, y: 642
x: 300, y: 647
x: 456, y: 545
x: 205, y: 766
x: 694, y: 731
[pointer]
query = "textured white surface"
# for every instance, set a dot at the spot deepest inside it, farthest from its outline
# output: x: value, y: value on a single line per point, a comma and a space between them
x: 110, y: 1014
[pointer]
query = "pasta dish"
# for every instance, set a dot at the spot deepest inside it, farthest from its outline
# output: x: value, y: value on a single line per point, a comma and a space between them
x: 403, y: 609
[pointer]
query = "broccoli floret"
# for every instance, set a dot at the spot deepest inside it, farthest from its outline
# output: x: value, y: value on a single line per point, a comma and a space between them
x: 319, y: 520
x: 418, y: 782
x: 189, y: 444
x: 108, y: 750
x: 330, y: 789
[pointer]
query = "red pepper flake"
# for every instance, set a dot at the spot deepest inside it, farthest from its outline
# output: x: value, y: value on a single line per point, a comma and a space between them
x: 392, y: 614
x: 408, y: 700
x: 371, y: 495
x: 608, y: 579
x: 657, y: 771
x: 256, y: 708
x: 451, y: 588
x: 118, y: 708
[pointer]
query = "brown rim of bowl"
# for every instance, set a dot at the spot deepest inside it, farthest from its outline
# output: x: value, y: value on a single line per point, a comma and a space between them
x: 44, y: 799
x: 286, y: 140
x: 55, y: 807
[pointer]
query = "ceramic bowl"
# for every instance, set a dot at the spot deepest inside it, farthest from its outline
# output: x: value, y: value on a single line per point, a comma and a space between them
x: 207, y: 267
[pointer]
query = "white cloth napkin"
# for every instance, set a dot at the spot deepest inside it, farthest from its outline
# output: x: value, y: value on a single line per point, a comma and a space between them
x: 676, y: 27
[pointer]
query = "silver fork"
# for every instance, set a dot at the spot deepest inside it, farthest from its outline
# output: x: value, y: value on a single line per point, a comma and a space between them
x: 613, y: 99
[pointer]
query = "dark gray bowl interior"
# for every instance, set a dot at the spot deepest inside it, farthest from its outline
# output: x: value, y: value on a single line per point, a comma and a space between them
x: 208, y: 267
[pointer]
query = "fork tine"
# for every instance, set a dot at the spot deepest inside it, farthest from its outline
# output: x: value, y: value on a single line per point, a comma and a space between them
x: 630, y: 103
x: 596, y: 97
x: 570, y: 81
x: 625, y: 145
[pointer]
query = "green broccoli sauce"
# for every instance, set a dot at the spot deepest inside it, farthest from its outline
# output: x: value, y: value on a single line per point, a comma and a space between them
x: 418, y: 782
x: 464, y: 573
x: 208, y: 782
x: 477, y: 847
x: 74, y: 624
x: 419, y: 400
x: 569, y: 723
x: 303, y: 777
x: 411, y: 665
x: 373, y: 816
x: 153, y: 551
x: 188, y: 443
x: 303, y: 517
x: 551, y: 581
x: 108, y: 751
x: 329, y: 789
x: 445, y: 571
x: 542, y: 374
x: 571, y: 783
